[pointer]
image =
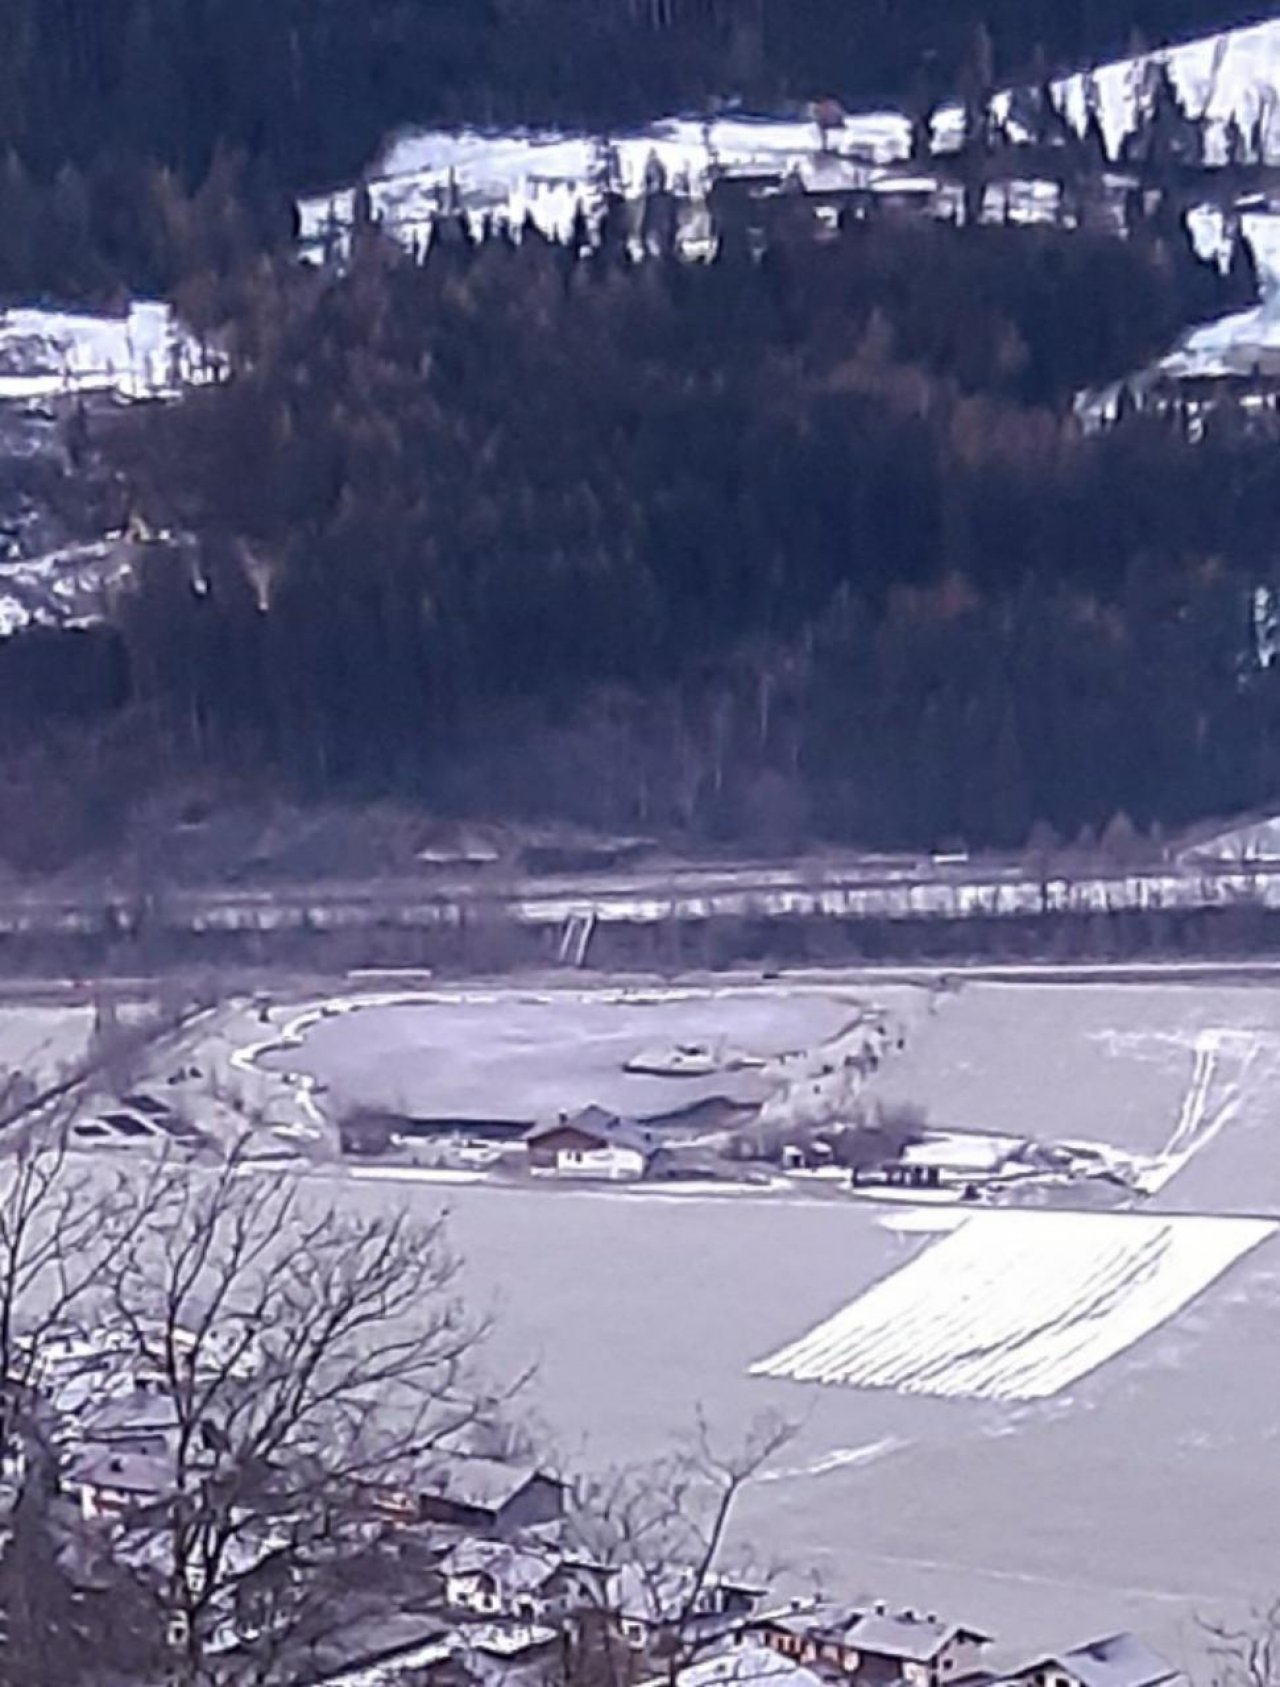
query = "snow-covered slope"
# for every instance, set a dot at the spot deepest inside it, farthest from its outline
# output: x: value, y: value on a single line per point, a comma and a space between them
x: 76, y: 586
x: 1220, y: 77
x: 144, y: 354
x: 1230, y: 76
x: 547, y: 175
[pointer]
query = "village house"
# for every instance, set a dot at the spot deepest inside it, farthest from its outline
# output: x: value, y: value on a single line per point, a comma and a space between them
x: 490, y: 1497
x: 876, y: 1648
x: 497, y: 1579
x: 1117, y: 1660
x: 748, y: 1666
x: 651, y: 1617
x: 118, y: 1482
x: 509, y: 1655
x: 810, y: 1632
x: 591, y: 1144
x: 144, y: 1421
x: 921, y: 1651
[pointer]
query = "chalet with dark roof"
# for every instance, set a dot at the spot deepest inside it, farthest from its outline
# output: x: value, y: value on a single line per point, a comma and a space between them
x: 591, y: 1144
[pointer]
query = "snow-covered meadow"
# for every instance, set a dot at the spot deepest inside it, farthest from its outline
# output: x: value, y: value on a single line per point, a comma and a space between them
x: 547, y: 175
x: 142, y: 354
x: 1019, y: 1305
x: 1033, y: 1404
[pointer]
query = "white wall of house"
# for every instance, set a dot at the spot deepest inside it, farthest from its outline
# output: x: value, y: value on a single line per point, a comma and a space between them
x: 958, y: 1657
x: 1052, y: 1675
x: 613, y: 1164
x: 472, y: 1593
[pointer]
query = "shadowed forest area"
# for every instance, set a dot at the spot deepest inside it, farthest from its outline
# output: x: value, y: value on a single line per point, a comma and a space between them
x: 794, y: 543
x: 142, y: 141
x: 307, y: 88
x: 741, y: 549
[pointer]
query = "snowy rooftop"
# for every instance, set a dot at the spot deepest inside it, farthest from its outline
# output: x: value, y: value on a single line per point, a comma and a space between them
x: 746, y: 1666
x: 911, y: 1638
x: 515, y: 1570
x: 1117, y: 1660
x: 482, y: 1483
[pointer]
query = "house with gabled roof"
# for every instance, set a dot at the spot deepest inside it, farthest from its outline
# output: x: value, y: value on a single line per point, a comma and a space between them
x: 495, y: 1578
x: 490, y: 1496
x: 679, y: 1605
x: 922, y: 1651
x: 1115, y: 1660
x: 593, y: 1143
x: 877, y: 1647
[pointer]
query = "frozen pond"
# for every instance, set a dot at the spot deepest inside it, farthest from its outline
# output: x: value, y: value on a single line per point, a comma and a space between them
x: 529, y: 1056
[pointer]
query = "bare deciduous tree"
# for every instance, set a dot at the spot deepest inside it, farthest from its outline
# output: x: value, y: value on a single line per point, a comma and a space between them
x: 61, y: 1220
x: 1246, y: 1654
x: 663, y: 1530
x: 318, y: 1362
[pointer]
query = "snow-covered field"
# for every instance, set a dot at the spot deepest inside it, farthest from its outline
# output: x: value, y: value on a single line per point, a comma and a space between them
x: 1138, y: 1495
x: 1019, y: 1305
x: 42, y: 1042
x: 547, y: 175
x: 1050, y: 1423
x: 1219, y: 77
x: 142, y: 355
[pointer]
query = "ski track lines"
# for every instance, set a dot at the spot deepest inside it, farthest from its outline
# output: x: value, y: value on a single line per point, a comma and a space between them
x: 1221, y: 1061
x: 1017, y: 1305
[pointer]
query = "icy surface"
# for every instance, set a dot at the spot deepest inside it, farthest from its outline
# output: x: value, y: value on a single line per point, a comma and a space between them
x: 459, y: 1057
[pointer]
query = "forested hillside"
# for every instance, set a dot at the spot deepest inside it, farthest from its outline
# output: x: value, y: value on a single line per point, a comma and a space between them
x: 740, y: 549
x: 802, y: 541
x: 307, y: 88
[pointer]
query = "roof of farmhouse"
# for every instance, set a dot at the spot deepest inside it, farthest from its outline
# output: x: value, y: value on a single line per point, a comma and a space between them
x: 1116, y: 1660
x: 906, y: 1636
x: 485, y: 1484
x: 598, y: 1125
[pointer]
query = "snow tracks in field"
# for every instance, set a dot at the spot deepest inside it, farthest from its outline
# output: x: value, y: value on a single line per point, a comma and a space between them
x: 1018, y: 1305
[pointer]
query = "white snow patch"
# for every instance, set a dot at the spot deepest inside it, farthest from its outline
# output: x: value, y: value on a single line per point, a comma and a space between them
x: 1220, y: 1059
x: 1218, y: 77
x: 840, y: 1458
x: 414, y: 1174
x: 141, y: 355
x: 923, y: 1221
x: 1018, y: 1305
x: 547, y: 175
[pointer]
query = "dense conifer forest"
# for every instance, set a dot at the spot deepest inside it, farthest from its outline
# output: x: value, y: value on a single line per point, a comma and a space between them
x: 308, y: 87
x: 794, y: 543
